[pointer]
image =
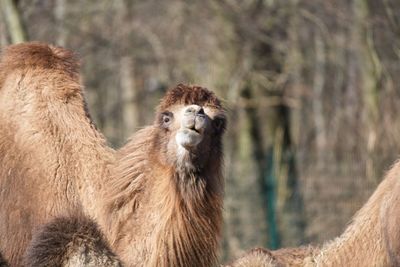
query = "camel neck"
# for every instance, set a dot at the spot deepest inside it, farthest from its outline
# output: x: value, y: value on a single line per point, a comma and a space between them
x: 154, y: 220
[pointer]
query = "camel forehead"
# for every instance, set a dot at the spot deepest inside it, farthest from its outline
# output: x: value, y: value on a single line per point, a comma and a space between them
x: 189, y: 95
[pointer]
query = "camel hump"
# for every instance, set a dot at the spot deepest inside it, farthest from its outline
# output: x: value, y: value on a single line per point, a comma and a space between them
x: 70, y: 241
x: 38, y: 55
x: 30, y: 66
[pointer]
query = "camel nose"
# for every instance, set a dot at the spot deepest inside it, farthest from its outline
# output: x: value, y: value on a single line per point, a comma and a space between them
x: 195, y: 110
x: 194, y: 118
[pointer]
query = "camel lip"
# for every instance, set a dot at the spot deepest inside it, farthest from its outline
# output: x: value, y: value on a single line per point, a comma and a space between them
x: 189, y: 138
x: 191, y: 131
x: 194, y: 130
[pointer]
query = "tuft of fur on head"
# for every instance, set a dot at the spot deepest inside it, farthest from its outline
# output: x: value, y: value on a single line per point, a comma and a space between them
x: 186, y: 94
x: 70, y: 241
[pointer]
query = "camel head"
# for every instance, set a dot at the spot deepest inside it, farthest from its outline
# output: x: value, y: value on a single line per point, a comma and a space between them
x: 191, y: 122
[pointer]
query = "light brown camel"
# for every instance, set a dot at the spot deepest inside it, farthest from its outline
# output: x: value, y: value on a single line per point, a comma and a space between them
x: 158, y: 200
x: 73, y: 241
x: 371, y: 239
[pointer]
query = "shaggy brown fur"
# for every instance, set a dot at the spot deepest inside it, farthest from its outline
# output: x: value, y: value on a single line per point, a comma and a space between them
x: 372, y: 238
x: 69, y: 241
x: 157, y: 202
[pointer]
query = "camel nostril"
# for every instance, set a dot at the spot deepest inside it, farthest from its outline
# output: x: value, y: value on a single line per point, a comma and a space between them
x: 200, y: 111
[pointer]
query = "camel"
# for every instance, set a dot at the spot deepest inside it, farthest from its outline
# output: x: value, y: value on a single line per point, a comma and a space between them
x: 73, y: 241
x: 166, y: 193
x: 158, y: 200
x: 371, y: 239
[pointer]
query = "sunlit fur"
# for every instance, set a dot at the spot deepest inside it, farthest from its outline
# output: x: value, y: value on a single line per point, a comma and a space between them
x: 155, y: 207
x: 73, y: 241
x: 371, y: 239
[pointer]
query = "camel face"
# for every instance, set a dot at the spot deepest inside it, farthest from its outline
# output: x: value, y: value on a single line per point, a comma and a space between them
x: 193, y: 122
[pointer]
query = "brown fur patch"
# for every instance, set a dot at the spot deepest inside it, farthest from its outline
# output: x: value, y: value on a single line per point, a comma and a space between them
x: 189, y: 94
x: 69, y: 241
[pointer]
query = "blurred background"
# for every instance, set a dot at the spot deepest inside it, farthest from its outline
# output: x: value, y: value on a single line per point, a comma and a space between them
x: 312, y: 89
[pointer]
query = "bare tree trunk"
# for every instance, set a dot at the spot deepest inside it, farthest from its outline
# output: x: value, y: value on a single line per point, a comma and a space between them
x: 130, y: 110
x: 244, y: 228
x: 370, y: 76
x: 318, y: 87
x: 14, y: 22
x: 59, y: 11
x: 3, y: 35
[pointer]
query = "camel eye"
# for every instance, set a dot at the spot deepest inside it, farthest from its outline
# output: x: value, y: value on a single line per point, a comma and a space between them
x: 166, y: 119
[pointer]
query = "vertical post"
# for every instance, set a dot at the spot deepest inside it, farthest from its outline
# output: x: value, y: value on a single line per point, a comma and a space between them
x: 270, y: 199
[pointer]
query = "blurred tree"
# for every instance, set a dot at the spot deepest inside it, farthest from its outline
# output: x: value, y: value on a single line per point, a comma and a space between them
x: 14, y: 21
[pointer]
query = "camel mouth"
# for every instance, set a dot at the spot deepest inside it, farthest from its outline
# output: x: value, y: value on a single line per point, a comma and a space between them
x: 188, y: 138
x: 195, y: 130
